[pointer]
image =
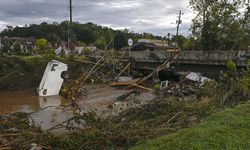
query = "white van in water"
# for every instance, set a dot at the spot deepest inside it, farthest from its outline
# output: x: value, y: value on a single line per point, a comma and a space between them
x: 52, y: 80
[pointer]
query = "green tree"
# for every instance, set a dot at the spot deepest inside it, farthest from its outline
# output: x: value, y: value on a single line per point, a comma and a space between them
x: 189, y: 44
x: 101, y: 43
x: 180, y: 39
x: 41, y: 45
x: 217, y: 25
x: 120, y: 41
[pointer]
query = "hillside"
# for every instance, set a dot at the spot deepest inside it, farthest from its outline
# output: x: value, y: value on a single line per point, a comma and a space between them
x: 88, y: 33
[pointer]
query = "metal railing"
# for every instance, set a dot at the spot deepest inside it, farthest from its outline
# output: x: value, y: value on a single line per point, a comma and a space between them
x: 187, y: 57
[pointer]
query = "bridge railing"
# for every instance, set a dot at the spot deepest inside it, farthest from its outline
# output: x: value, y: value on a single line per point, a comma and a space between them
x: 187, y: 57
x: 207, y: 57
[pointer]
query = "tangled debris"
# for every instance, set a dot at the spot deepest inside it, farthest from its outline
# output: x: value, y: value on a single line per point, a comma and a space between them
x: 160, y: 116
x: 131, y: 127
x: 181, y: 89
x: 130, y: 119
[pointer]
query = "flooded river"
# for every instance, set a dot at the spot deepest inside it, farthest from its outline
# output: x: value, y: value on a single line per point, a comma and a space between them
x: 26, y: 101
x: 101, y: 99
x: 96, y: 98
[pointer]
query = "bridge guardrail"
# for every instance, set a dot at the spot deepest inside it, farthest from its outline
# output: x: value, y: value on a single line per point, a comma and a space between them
x: 186, y: 57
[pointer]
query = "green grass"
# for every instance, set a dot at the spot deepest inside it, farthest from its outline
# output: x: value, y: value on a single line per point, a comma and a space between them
x: 227, y: 130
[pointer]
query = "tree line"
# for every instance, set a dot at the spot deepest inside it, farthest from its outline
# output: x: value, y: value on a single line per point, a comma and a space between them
x: 85, y: 34
x: 218, y: 25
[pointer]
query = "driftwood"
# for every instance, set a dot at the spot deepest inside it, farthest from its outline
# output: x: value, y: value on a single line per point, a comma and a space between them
x: 8, y: 75
x: 131, y: 84
x: 165, y: 65
x: 142, y: 87
x: 61, y: 123
x: 86, y: 62
x: 173, y: 117
x: 122, y: 71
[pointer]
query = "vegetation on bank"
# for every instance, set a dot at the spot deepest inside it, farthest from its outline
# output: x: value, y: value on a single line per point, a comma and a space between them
x: 228, y: 129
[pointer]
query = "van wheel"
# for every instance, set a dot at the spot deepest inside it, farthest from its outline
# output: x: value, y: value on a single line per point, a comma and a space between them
x: 65, y: 75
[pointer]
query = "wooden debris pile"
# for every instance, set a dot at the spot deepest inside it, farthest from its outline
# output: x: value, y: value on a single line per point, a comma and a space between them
x: 16, y: 132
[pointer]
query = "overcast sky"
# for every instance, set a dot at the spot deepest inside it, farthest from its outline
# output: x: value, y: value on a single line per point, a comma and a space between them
x: 152, y: 16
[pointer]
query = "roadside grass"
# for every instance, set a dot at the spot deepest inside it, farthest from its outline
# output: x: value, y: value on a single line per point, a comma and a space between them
x: 229, y: 129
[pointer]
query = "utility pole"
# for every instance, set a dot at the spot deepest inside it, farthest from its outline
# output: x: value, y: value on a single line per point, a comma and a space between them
x: 69, y: 27
x: 0, y: 44
x: 70, y: 8
x: 178, y: 22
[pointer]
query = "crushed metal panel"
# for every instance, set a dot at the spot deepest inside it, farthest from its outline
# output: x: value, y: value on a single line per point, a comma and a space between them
x: 197, y: 77
x: 52, y: 81
x: 124, y: 79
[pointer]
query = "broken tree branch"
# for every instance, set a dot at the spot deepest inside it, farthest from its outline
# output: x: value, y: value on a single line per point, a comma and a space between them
x: 8, y: 75
x: 61, y: 123
x: 131, y: 84
x: 122, y: 71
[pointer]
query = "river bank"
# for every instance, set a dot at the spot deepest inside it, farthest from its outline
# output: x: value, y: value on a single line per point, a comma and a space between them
x: 115, y: 121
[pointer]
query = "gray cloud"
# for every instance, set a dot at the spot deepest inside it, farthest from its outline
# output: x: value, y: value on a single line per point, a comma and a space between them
x: 153, y: 16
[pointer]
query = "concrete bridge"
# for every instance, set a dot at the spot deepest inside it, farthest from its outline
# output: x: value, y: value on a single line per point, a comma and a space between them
x: 208, y: 62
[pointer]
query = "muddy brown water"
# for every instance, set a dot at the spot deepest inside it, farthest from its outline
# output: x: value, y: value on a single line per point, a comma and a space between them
x: 96, y: 98
x: 26, y: 101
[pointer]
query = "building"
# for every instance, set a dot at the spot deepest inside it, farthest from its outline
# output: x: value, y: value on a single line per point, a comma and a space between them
x: 151, y: 45
x: 160, y: 44
x: 20, y: 45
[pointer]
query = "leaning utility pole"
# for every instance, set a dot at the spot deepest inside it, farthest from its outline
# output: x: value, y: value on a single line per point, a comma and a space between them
x: 178, y: 22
